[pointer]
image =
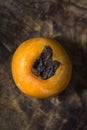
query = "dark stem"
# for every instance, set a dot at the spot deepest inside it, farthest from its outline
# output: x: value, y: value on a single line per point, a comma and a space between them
x: 44, y: 67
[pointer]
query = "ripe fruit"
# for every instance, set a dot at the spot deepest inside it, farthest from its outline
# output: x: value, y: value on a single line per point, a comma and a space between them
x: 41, y: 67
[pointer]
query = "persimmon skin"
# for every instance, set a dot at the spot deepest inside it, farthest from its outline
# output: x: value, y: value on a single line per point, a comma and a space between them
x: 27, y: 82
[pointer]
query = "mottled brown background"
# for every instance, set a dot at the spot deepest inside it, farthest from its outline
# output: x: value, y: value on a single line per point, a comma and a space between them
x: 66, y: 21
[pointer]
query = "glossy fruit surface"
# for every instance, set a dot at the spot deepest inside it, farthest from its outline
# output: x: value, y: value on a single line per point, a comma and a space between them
x: 32, y: 85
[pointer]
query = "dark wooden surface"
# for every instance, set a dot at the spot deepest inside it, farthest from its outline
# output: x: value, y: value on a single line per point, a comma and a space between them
x: 65, y: 21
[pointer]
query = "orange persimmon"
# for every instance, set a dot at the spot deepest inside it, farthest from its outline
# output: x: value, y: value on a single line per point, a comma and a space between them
x: 31, y: 84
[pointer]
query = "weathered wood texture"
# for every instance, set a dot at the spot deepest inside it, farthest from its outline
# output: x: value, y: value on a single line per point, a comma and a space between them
x: 66, y: 21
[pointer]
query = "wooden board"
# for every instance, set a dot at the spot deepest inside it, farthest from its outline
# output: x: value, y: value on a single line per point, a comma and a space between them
x: 65, y: 21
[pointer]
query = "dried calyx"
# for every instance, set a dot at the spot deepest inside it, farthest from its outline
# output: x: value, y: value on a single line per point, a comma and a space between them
x: 44, y: 67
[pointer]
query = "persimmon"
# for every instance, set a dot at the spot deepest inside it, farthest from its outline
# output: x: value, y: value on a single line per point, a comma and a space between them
x: 41, y: 67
